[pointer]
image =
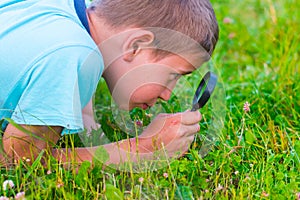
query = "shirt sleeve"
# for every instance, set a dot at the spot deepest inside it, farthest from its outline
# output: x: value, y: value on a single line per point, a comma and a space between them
x: 60, y: 85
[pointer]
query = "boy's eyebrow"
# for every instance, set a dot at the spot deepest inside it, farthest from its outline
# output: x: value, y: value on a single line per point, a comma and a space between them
x: 186, y: 73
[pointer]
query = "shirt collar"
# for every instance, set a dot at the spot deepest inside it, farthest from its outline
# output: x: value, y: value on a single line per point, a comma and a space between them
x: 80, y: 8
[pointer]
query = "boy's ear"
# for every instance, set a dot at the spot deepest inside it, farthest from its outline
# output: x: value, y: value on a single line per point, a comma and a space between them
x: 136, y: 41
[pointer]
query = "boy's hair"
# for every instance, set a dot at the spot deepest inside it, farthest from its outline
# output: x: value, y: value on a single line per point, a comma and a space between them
x: 192, y: 18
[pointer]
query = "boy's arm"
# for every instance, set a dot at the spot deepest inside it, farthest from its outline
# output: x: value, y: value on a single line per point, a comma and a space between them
x: 118, y: 152
x: 168, y: 135
x: 19, y: 143
x: 173, y: 131
x: 88, y: 117
x: 27, y: 141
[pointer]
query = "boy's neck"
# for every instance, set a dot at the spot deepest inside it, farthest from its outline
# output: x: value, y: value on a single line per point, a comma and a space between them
x: 99, y: 30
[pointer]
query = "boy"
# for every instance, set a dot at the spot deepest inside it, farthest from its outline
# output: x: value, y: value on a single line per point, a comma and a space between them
x: 52, y: 58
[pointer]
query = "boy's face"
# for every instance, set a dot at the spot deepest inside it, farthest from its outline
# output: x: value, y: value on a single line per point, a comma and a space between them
x: 141, y: 82
x: 135, y: 77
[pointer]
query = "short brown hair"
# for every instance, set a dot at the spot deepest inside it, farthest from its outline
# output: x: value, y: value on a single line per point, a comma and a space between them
x: 193, y: 18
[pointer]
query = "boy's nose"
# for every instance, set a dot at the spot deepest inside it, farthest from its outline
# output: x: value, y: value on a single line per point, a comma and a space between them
x: 166, y: 94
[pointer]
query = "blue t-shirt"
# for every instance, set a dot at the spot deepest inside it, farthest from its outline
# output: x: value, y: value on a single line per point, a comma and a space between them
x: 49, y: 65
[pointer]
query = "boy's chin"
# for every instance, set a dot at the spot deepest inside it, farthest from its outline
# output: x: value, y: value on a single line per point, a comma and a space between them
x: 130, y: 107
x: 127, y: 107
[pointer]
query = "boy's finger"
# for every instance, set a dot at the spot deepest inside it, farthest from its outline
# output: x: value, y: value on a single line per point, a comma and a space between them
x: 188, y: 130
x: 191, y: 117
x: 191, y: 130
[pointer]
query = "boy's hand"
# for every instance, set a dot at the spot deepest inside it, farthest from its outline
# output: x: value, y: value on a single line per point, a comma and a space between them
x: 90, y: 123
x: 174, y: 132
x: 88, y: 118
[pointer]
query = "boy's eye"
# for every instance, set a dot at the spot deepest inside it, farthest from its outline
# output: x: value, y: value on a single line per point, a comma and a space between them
x: 175, y: 76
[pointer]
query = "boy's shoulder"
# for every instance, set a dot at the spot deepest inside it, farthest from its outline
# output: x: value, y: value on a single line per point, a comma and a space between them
x: 47, y: 22
x: 35, y: 29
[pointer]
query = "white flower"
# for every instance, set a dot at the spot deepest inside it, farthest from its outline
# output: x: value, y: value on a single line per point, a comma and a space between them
x: 227, y: 20
x: 165, y: 175
x: 20, y: 195
x: 149, y: 115
x: 246, y: 107
x: 139, y: 123
x: 298, y: 196
x: 265, y: 194
x: 4, y: 198
x: 10, y: 184
x: 220, y: 187
x: 59, y: 185
x: 141, y: 179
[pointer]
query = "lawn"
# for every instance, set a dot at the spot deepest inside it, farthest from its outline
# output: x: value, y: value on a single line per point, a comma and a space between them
x: 247, y: 154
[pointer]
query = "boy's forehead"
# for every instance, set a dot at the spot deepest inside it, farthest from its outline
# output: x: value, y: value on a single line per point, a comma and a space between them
x: 181, y: 64
x: 180, y: 44
x: 173, y: 42
x: 188, y: 61
x: 195, y: 59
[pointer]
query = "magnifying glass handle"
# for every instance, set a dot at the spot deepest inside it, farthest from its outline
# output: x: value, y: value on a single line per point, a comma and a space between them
x: 195, y: 107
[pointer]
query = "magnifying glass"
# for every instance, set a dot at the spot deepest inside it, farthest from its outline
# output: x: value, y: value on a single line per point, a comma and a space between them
x: 204, y: 90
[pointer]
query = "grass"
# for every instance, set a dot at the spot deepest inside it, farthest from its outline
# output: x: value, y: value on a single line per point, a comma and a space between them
x: 257, y: 155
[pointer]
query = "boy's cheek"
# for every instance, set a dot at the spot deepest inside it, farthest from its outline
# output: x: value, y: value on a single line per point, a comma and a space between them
x: 144, y: 94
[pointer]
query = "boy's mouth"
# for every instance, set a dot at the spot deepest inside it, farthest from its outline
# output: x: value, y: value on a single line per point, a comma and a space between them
x: 145, y: 106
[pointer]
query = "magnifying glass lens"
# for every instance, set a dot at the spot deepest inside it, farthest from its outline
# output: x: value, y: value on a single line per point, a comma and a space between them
x: 201, y: 91
x: 204, y: 90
